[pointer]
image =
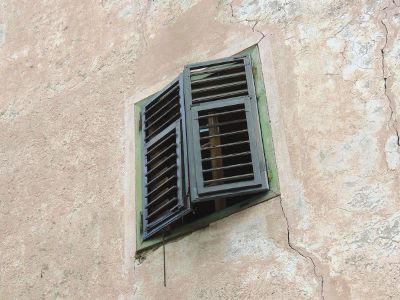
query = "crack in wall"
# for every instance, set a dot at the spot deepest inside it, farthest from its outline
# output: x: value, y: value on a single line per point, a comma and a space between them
x: 320, y: 278
x: 392, y: 118
x: 307, y: 257
x: 253, y: 27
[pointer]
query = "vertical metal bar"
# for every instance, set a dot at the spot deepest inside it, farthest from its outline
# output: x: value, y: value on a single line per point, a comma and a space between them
x: 216, y: 152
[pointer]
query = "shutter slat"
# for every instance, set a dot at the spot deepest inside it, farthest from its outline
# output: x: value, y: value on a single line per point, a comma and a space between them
x: 224, y: 134
x: 173, y: 118
x: 173, y: 200
x: 163, y: 194
x: 219, y: 86
x: 219, y: 68
x: 162, y: 116
x: 227, y: 167
x: 219, y: 114
x: 153, y: 115
x: 157, y: 114
x: 218, y: 78
x: 223, y: 124
x: 160, y: 186
x: 221, y: 95
x: 162, y: 98
x: 159, y: 221
x: 153, y: 148
x: 238, y: 177
x: 161, y: 163
x: 161, y: 175
x: 227, y: 156
x: 155, y: 158
x: 225, y: 145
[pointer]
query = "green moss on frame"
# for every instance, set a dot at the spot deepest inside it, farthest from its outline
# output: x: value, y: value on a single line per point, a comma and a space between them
x: 251, y: 200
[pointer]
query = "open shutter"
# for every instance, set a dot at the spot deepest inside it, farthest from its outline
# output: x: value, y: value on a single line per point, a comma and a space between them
x: 164, y: 183
x: 224, y: 139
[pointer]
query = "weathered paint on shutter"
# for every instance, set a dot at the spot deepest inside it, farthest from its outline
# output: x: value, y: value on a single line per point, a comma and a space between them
x: 224, y: 139
x: 164, y: 185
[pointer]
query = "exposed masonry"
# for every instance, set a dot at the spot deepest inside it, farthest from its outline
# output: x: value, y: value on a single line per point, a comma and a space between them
x: 307, y: 257
x: 392, y: 119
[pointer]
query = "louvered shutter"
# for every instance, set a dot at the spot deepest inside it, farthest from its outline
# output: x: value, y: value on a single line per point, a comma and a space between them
x: 164, y: 183
x: 224, y: 140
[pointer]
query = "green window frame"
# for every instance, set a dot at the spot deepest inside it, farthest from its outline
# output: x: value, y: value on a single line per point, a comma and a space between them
x: 248, y: 201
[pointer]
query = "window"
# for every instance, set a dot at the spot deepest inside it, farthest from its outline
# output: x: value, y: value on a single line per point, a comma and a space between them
x: 205, y: 148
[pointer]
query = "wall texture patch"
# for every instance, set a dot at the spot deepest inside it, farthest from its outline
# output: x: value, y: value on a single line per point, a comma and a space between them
x: 2, y: 34
x: 70, y: 74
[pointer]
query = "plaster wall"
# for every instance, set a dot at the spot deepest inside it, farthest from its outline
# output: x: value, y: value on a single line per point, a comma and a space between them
x: 70, y: 73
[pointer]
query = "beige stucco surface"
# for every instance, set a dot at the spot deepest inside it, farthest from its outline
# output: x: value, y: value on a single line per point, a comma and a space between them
x: 70, y: 73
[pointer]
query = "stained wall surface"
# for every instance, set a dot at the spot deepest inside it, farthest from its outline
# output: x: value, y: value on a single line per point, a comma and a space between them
x: 70, y: 73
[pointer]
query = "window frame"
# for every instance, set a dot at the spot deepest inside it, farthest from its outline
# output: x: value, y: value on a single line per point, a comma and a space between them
x: 224, y: 190
x: 250, y: 200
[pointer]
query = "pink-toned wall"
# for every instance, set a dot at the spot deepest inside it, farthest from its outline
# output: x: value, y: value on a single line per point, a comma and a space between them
x: 70, y: 73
